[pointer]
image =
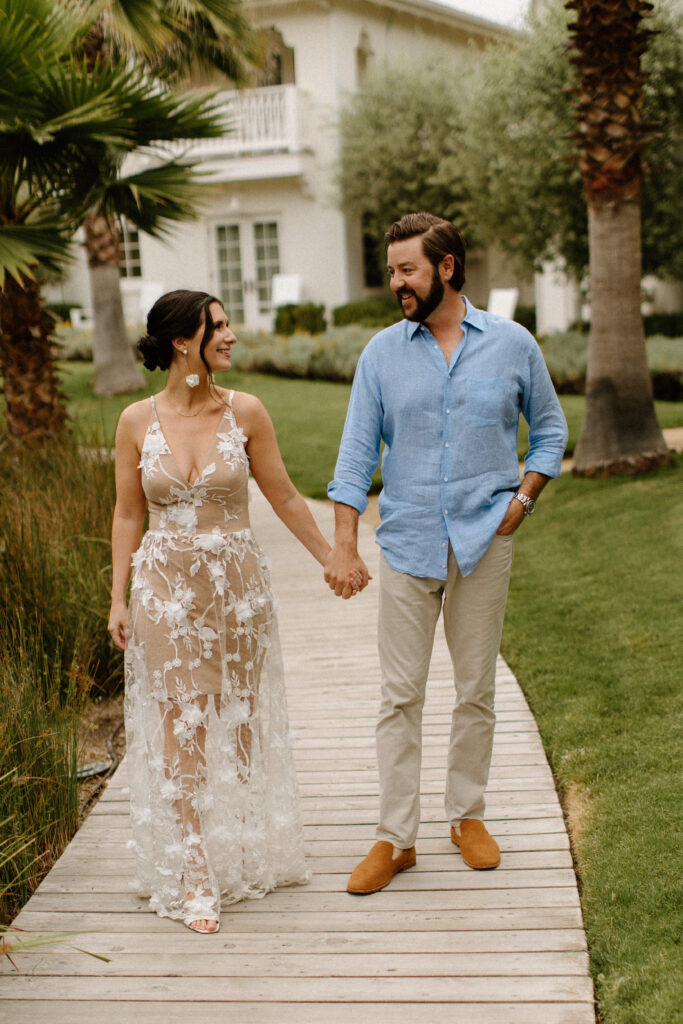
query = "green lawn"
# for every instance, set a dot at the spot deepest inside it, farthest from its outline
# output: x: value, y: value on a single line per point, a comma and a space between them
x: 594, y: 632
x: 308, y: 416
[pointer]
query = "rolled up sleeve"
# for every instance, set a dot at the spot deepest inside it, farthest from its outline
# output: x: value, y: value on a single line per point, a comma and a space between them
x: 547, y: 424
x: 360, y: 444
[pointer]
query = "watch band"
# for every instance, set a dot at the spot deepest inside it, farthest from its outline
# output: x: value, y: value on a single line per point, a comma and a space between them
x: 528, y: 503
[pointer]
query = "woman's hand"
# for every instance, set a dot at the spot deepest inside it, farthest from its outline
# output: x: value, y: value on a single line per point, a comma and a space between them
x: 118, y: 624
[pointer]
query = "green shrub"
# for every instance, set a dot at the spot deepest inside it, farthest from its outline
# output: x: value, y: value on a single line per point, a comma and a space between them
x: 54, y: 648
x: 330, y: 356
x: 668, y: 324
x: 75, y: 343
x: 526, y: 316
x: 379, y: 311
x: 55, y: 555
x: 306, y: 317
x: 566, y: 354
x: 62, y: 310
x: 38, y: 755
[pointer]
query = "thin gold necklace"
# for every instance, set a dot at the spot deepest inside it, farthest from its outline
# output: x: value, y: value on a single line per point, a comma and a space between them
x: 188, y: 415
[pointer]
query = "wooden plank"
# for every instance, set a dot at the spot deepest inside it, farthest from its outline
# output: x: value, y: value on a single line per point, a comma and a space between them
x: 303, y: 899
x: 532, y: 941
x: 97, y: 829
x: 407, y: 881
x: 335, y: 990
x: 206, y: 963
x: 154, y: 1012
x: 239, y: 919
x: 76, y: 864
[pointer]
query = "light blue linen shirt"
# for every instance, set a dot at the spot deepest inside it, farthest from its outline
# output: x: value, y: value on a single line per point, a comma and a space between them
x: 450, y: 464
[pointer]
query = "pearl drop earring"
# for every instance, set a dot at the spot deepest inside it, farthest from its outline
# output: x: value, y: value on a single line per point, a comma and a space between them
x: 192, y: 379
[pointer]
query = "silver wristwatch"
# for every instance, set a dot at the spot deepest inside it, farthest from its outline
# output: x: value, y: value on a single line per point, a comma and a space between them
x: 528, y: 503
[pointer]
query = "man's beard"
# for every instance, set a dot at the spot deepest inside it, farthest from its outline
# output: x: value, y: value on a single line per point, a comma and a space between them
x: 424, y: 307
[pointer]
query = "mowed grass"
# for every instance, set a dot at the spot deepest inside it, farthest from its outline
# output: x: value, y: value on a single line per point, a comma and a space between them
x: 594, y: 632
x: 308, y: 417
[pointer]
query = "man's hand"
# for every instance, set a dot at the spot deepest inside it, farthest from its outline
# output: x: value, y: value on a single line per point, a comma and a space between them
x: 345, y: 571
x: 512, y: 518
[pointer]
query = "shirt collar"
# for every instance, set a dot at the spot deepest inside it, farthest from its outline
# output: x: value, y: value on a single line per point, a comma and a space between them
x: 473, y: 317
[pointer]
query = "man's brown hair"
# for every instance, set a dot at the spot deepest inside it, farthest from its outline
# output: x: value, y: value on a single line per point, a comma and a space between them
x: 439, y: 238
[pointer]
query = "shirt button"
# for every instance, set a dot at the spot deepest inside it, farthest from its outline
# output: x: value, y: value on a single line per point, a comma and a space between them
x: 443, y: 566
x: 444, y: 544
x: 446, y: 445
x: 436, y: 346
x: 448, y: 410
x: 445, y: 479
x: 445, y: 511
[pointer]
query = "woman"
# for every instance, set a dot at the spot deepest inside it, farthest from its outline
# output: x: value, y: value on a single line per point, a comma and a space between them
x: 214, y: 803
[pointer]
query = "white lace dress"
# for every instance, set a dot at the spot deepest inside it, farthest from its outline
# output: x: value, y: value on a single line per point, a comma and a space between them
x: 214, y: 801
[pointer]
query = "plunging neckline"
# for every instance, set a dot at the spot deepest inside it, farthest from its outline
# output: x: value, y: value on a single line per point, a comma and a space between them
x: 205, y: 462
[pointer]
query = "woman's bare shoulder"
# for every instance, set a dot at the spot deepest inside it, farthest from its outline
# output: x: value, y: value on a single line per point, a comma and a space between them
x: 246, y: 405
x: 135, y: 416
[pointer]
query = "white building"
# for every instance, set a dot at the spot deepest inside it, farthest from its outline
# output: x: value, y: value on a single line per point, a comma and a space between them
x: 273, y: 206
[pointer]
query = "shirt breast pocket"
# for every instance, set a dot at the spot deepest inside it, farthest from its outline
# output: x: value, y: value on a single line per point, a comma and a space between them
x: 485, y: 401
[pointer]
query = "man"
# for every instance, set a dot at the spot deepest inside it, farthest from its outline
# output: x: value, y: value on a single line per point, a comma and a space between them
x: 443, y: 389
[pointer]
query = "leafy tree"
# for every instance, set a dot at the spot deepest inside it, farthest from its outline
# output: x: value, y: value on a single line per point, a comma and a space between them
x: 516, y: 157
x: 395, y: 132
x: 170, y: 39
x: 60, y: 124
x: 620, y: 431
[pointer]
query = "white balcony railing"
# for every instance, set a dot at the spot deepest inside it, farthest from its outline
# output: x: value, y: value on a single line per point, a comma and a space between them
x: 260, y: 121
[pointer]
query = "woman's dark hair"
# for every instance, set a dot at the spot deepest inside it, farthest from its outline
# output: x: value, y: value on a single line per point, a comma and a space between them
x: 439, y: 239
x: 175, y: 315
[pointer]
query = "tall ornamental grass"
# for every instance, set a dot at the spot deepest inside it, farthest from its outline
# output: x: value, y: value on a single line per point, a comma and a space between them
x: 55, y: 518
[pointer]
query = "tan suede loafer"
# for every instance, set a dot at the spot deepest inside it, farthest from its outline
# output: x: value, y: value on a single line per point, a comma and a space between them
x: 379, y: 867
x: 479, y: 849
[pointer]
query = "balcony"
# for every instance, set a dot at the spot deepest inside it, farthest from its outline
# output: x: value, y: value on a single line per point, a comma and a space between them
x: 263, y: 140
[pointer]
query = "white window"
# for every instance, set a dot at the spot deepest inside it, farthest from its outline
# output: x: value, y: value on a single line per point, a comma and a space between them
x: 129, y: 245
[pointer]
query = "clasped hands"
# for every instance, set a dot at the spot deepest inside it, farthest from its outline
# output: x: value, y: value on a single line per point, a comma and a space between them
x: 345, y: 572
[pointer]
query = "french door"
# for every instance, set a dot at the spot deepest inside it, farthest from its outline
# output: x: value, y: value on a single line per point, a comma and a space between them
x: 248, y: 255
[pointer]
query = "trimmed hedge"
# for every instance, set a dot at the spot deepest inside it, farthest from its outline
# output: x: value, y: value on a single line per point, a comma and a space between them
x: 306, y: 317
x: 566, y: 354
x: 379, y: 311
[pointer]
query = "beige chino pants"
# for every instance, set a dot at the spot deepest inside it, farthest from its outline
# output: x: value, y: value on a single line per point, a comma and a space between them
x: 473, y: 609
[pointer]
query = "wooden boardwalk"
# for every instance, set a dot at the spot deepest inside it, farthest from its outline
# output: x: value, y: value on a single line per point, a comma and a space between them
x: 442, y: 943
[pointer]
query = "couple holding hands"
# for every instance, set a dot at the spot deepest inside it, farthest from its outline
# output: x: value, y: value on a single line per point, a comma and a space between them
x: 214, y: 803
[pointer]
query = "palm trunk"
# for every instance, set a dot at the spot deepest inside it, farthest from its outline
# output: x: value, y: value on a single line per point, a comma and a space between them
x: 34, y: 405
x: 116, y: 368
x: 620, y: 431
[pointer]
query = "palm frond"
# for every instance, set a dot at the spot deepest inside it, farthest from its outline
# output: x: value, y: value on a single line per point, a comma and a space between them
x: 35, y: 34
x: 207, y: 34
x: 135, y: 27
x: 155, y: 197
x: 22, y: 246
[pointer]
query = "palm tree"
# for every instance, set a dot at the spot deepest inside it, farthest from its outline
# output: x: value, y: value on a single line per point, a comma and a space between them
x: 171, y: 38
x: 620, y: 431
x: 61, y: 123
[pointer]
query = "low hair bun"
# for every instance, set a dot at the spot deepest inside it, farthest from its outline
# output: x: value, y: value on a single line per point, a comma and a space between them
x: 149, y: 350
x: 153, y: 353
